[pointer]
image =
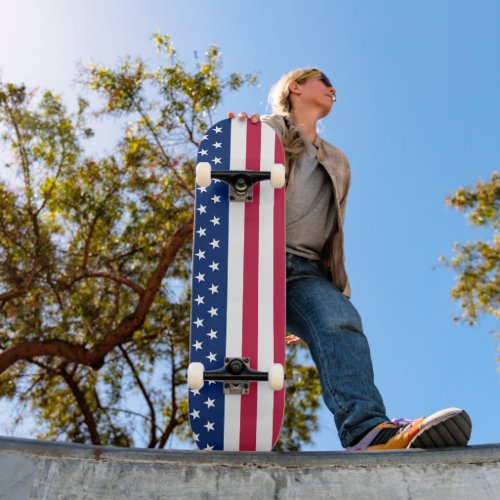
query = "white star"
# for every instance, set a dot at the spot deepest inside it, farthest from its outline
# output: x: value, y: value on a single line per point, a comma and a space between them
x: 195, y: 414
x: 196, y: 437
x: 200, y: 277
x: 215, y: 198
x: 215, y: 221
x: 198, y: 345
x: 204, y: 152
x: 216, y: 160
x: 200, y: 300
x: 210, y: 382
x: 202, y: 209
x: 214, y: 243
x: 214, y: 266
x: 195, y: 392
x: 211, y: 357
x: 212, y: 334
x: 205, y: 137
x: 202, y: 231
x: 198, y: 322
x: 214, y: 288
x: 202, y: 189
x: 213, y: 312
x: 217, y: 145
x: 210, y: 403
x: 208, y: 448
x: 217, y: 130
x: 200, y: 255
x: 209, y: 426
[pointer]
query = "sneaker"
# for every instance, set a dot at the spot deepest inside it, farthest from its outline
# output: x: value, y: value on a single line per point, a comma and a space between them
x: 450, y: 427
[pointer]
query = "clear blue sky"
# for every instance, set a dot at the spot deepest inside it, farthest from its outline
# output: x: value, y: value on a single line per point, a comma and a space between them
x: 418, y: 115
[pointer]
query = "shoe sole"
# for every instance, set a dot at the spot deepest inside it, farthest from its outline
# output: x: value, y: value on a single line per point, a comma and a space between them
x: 451, y: 427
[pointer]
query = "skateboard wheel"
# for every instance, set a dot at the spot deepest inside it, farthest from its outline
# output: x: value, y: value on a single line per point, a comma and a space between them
x: 276, y: 377
x: 278, y: 175
x: 203, y: 174
x: 195, y: 376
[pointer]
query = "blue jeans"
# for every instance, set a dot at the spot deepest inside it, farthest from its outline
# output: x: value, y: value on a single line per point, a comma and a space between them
x: 325, y: 319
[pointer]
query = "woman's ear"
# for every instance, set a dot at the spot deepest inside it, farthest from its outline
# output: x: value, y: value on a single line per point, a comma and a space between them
x: 294, y: 88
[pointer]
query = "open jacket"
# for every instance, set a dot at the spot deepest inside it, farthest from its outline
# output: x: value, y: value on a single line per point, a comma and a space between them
x: 337, y: 166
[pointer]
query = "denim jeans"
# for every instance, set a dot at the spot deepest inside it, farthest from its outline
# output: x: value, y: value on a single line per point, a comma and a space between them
x: 325, y: 319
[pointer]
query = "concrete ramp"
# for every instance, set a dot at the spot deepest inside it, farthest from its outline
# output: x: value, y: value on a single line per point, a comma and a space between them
x: 35, y: 469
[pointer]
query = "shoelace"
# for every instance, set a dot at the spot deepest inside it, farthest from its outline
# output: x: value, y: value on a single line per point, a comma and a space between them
x: 401, y: 421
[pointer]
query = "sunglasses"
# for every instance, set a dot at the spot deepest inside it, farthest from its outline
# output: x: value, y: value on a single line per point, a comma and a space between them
x: 316, y: 72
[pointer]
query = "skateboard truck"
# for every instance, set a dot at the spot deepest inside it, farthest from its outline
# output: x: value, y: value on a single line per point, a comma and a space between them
x: 240, y: 182
x: 236, y: 375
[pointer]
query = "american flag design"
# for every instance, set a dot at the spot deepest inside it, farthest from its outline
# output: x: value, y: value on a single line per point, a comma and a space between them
x: 238, y: 290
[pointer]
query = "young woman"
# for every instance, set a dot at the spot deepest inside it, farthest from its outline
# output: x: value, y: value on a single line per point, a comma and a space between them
x: 319, y: 310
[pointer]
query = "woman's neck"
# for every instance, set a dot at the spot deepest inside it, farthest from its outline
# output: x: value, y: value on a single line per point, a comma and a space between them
x: 307, y: 123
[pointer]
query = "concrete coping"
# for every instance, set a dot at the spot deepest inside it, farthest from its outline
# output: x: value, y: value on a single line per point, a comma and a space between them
x: 477, y: 454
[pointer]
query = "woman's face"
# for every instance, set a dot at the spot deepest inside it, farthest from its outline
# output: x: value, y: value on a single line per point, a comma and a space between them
x: 315, y: 91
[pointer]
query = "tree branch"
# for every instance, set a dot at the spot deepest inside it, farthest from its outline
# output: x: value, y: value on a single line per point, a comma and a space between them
x: 159, y: 145
x: 122, y: 333
x: 173, y: 421
x: 27, y: 177
x: 89, y: 238
x: 24, y: 288
x: 137, y: 378
x: 82, y: 404
x: 53, y: 184
x: 97, y: 215
x: 114, y: 277
x: 7, y: 235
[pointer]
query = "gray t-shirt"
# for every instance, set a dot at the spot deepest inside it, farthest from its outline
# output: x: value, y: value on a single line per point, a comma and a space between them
x: 310, y: 207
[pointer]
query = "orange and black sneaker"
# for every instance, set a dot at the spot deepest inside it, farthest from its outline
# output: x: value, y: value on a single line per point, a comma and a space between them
x: 450, y: 427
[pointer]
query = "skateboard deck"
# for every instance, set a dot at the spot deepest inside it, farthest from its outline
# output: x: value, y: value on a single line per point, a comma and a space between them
x: 238, y: 292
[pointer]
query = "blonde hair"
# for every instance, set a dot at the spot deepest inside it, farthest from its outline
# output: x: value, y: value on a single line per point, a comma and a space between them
x: 281, y: 104
x: 279, y: 97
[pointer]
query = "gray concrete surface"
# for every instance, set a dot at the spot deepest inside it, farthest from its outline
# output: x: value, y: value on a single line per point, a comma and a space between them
x: 40, y: 470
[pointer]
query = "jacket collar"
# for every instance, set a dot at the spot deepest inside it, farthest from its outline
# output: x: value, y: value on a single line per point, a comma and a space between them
x: 327, y: 160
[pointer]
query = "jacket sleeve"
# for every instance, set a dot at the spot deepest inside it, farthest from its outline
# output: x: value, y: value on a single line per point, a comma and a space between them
x: 347, y: 185
x: 276, y: 122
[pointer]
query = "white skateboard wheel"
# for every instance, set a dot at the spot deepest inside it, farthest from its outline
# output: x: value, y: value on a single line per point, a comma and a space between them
x: 195, y: 376
x: 203, y: 174
x: 278, y: 175
x: 276, y: 377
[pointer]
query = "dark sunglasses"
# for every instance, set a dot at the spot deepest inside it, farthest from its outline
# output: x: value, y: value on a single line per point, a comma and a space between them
x: 316, y: 72
x: 326, y: 80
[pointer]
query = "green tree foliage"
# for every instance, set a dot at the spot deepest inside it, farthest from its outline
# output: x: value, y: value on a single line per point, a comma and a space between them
x: 302, y: 401
x: 95, y: 255
x: 477, y: 264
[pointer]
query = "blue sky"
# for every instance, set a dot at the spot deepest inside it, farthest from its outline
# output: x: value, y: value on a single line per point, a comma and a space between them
x: 418, y: 115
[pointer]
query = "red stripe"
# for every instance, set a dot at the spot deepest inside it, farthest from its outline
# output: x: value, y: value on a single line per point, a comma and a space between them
x: 279, y: 291
x: 248, y: 419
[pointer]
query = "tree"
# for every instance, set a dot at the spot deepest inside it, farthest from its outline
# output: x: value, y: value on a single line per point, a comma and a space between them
x: 95, y: 254
x: 477, y: 266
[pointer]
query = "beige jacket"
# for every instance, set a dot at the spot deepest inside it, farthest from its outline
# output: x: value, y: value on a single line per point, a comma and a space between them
x: 337, y: 166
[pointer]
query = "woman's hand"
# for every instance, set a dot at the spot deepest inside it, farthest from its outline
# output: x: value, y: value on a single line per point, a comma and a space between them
x: 292, y: 340
x: 255, y: 118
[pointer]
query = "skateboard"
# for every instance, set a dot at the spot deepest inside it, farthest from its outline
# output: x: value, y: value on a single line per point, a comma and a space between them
x: 237, y: 337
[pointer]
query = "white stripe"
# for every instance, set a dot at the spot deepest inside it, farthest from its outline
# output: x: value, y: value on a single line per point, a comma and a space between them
x: 265, y: 395
x: 235, y: 286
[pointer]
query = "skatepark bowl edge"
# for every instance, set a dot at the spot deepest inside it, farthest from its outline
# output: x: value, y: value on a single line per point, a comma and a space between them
x: 31, y: 469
